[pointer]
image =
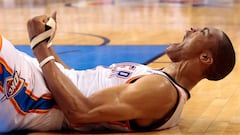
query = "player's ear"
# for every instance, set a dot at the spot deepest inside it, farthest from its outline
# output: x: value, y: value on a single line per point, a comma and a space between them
x: 206, y: 57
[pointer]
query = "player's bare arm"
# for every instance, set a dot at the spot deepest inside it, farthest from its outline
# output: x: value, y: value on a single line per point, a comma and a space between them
x: 127, y: 102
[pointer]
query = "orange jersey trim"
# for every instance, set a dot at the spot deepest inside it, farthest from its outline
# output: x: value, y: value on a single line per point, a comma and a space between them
x: 0, y: 42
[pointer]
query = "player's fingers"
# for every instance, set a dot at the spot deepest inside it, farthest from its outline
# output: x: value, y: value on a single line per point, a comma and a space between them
x: 40, y: 19
x: 44, y: 19
x: 54, y: 15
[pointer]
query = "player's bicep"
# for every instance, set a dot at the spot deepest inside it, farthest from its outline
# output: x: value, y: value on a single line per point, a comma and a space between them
x: 109, y: 112
x: 144, y: 99
x: 111, y: 104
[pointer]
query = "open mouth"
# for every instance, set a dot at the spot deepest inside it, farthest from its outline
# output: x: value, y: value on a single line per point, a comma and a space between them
x: 175, y: 44
x: 188, y: 32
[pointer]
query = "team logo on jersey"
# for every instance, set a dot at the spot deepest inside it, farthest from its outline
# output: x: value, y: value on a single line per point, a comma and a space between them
x: 12, y: 85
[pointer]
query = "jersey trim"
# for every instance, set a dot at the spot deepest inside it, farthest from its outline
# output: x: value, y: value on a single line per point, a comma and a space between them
x: 0, y: 42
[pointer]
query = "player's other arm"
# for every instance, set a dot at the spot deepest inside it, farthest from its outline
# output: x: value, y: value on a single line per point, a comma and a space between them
x: 55, y: 79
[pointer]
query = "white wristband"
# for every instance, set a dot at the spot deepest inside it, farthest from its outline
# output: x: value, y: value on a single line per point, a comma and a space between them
x: 46, y: 60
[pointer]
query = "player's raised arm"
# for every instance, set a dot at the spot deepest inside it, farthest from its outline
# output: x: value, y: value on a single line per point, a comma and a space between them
x: 56, y: 80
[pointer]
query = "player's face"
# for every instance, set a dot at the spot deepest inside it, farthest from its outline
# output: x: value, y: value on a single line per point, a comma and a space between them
x: 195, y: 41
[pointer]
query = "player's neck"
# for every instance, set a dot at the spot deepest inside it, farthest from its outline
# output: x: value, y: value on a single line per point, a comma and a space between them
x: 184, y: 74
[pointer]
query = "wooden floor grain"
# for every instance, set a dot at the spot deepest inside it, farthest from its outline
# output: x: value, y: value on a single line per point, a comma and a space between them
x: 214, y: 108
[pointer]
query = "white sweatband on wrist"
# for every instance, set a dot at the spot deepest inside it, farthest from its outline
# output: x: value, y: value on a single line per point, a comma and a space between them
x: 46, y: 60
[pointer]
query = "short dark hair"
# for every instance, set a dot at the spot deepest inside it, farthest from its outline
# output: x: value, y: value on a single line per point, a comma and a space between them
x: 223, y: 59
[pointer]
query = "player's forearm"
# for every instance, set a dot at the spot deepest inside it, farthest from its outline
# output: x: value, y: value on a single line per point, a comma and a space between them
x: 67, y: 96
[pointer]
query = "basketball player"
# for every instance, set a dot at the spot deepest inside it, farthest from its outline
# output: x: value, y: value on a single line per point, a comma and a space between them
x: 122, y: 97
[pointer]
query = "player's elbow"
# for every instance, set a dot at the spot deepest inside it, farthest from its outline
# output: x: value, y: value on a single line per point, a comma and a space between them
x: 77, y: 111
x: 72, y: 116
x: 75, y: 117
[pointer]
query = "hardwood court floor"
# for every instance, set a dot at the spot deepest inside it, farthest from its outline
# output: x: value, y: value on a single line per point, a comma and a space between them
x: 214, y: 108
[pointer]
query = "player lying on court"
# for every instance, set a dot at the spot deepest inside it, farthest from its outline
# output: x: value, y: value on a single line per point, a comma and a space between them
x: 122, y: 97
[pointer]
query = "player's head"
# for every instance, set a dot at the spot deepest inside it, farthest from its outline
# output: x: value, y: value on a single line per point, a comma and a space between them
x: 211, y: 47
x: 224, y: 59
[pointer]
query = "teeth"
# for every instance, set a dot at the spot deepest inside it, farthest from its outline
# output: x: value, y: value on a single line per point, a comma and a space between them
x: 174, y: 43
